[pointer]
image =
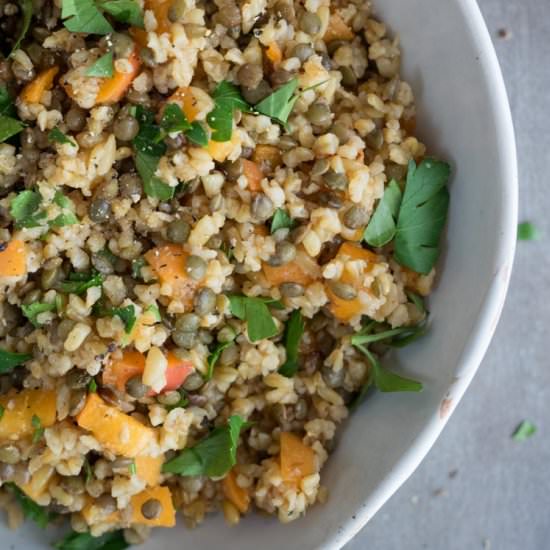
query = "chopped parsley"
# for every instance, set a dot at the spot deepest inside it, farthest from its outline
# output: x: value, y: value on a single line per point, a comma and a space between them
x: 149, y: 149
x: 9, y: 360
x: 103, y: 67
x: 254, y: 311
x: 227, y: 99
x: 55, y: 135
x: 280, y: 103
x: 78, y: 283
x: 293, y: 334
x: 281, y: 220
x: 383, y: 224
x: 92, y: 386
x: 32, y: 311
x: 525, y: 430
x: 213, y: 456
x: 215, y: 355
x: 25, y: 209
x: 127, y: 315
x: 9, y: 126
x: 86, y: 15
x: 38, y: 429
x: 112, y: 540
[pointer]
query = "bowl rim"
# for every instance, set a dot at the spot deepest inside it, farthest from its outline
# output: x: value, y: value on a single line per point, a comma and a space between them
x: 490, y: 310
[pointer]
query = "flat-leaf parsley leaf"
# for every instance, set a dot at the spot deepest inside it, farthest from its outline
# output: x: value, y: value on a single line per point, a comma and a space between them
x: 293, y: 334
x: 381, y: 228
x: 213, y: 456
x: 422, y: 215
x: 103, y: 67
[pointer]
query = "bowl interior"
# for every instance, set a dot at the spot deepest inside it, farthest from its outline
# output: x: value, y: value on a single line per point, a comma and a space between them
x: 463, y: 115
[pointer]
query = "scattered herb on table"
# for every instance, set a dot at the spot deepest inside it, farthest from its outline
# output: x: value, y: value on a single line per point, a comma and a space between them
x: 293, y: 334
x: 213, y: 456
x: 525, y: 430
x: 528, y: 232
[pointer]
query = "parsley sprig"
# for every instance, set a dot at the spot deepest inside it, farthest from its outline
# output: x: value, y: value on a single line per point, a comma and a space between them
x: 383, y: 379
x: 9, y: 125
x: 293, y: 334
x: 9, y: 360
x: 87, y: 16
x: 227, y: 99
x: 254, y: 311
x: 213, y: 456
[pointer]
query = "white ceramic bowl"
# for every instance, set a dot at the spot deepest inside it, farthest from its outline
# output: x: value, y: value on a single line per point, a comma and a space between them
x: 464, y: 117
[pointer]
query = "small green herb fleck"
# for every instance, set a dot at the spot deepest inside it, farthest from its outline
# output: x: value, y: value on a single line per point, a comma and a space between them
x: 281, y: 220
x: 137, y: 264
x: 254, y: 311
x: 32, y: 311
x: 182, y: 402
x: 38, y: 429
x: 24, y: 209
x: 149, y: 149
x: 525, y: 430
x: 103, y: 67
x: 1, y: 411
x: 227, y: 99
x: 174, y: 119
x: 57, y: 136
x: 528, y: 232
x: 215, y: 355
x: 9, y: 360
x: 280, y: 103
x: 125, y: 11
x: 197, y: 134
x: 127, y: 315
x: 79, y: 283
x: 132, y: 468
x: 293, y: 334
x: 92, y: 386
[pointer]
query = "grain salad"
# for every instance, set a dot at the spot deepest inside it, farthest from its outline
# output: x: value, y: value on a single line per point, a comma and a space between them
x: 215, y: 220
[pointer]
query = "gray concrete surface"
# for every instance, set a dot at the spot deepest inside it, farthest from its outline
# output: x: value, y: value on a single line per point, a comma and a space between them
x: 478, y: 488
